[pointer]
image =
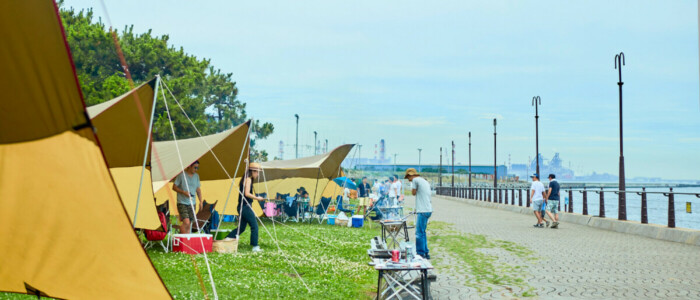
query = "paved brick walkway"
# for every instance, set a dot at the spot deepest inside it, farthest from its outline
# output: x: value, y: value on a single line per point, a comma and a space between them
x: 579, y: 261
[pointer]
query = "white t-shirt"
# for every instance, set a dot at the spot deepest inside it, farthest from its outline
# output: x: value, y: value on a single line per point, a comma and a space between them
x: 422, y: 188
x: 394, y: 187
x: 538, y: 187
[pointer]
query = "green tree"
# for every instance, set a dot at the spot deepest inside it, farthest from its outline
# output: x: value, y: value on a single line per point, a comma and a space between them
x: 208, y: 96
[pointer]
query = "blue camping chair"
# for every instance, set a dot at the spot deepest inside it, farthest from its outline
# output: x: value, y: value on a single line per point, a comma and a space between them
x: 342, y: 208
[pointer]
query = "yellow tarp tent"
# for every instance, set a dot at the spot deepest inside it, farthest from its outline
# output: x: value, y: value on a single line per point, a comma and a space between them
x: 65, y: 232
x: 228, y: 147
x: 122, y: 124
x: 313, y: 173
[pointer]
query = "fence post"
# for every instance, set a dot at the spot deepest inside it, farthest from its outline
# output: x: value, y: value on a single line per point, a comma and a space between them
x: 571, y: 201
x: 520, y: 197
x: 602, y: 204
x: 585, y: 202
x: 527, y: 193
x: 645, y: 218
x: 671, y: 209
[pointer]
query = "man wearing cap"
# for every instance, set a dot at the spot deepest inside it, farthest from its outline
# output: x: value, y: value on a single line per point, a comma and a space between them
x: 424, y: 209
x: 553, y: 201
x: 537, y: 196
x: 186, y: 186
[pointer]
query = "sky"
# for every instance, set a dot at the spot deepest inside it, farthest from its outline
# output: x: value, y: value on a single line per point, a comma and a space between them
x: 421, y: 74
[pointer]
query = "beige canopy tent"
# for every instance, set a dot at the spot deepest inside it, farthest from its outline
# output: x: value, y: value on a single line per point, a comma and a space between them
x: 228, y: 147
x: 66, y: 234
x: 123, y: 124
x: 313, y: 173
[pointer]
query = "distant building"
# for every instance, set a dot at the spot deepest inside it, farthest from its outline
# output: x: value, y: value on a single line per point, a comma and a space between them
x: 459, y: 169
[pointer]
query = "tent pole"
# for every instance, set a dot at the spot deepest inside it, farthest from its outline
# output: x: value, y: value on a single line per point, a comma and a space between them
x: 145, y: 154
x: 233, y: 180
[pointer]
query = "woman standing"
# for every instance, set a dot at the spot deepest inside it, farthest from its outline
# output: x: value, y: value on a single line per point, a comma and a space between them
x: 246, y: 215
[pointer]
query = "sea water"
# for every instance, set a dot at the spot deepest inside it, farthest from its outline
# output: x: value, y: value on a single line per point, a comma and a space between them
x: 657, y: 205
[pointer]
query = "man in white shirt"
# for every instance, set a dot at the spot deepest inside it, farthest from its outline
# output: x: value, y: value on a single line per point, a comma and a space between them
x: 424, y: 209
x: 537, y: 196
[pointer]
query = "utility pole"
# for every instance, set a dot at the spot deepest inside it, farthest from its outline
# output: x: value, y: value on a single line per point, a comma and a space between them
x: 440, y: 170
x: 315, y: 147
x: 419, y: 168
x: 536, y: 101
x: 297, y: 143
x: 470, y: 159
x: 495, y: 164
x: 359, y: 154
x: 395, y: 163
x: 326, y: 146
x: 622, y: 205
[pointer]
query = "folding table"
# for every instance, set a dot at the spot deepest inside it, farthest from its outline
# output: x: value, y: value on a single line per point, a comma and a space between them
x: 399, y: 278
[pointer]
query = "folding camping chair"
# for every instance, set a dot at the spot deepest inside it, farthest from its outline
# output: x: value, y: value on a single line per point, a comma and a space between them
x: 290, y: 208
x: 321, y: 209
x: 342, y: 208
x: 154, y: 237
x: 203, y: 217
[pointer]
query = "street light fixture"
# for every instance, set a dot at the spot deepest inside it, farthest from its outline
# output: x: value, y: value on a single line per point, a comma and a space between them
x: 297, y: 143
x: 622, y: 204
x: 495, y: 166
x: 536, y: 101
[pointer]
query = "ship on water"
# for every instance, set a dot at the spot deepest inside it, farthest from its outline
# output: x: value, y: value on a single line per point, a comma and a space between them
x: 547, y: 166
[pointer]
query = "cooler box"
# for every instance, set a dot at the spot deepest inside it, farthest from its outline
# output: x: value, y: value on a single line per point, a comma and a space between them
x: 192, y: 243
x: 270, y: 209
x: 221, y: 234
x: 331, y: 219
x: 357, y: 221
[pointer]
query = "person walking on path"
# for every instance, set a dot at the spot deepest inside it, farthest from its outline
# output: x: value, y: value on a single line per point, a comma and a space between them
x: 424, y: 209
x: 537, y: 196
x: 186, y: 186
x: 553, y: 201
x: 245, y: 211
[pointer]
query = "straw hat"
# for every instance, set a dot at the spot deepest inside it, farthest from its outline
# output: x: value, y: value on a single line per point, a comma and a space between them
x: 411, y: 172
x: 254, y: 166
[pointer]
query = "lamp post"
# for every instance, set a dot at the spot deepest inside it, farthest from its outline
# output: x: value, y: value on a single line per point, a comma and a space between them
x: 297, y: 143
x: 495, y: 166
x: 440, y: 170
x: 419, y: 168
x: 453, y: 167
x: 470, y: 159
x: 315, y: 148
x: 326, y: 146
x: 536, y: 101
x: 395, y: 163
x: 622, y: 205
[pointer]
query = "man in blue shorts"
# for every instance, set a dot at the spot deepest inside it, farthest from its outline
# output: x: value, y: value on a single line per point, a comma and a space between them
x: 553, y: 201
x: 537, y: 195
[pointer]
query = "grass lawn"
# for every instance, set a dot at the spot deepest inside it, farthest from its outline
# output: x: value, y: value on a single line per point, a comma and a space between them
x: 331, y: 260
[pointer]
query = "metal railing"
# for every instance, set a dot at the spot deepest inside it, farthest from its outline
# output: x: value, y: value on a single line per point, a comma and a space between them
x: 501, y: 195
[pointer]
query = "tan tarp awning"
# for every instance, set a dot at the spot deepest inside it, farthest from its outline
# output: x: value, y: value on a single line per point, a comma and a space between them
x: 228, y: 147
x: 65, y: 231
x: 313, y: 173
x: 122, y: 124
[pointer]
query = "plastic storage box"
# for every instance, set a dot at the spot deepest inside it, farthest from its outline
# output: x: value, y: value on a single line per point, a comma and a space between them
x: 192, y: 243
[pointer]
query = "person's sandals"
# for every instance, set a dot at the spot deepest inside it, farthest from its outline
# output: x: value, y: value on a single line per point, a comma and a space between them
x: 547, y: 223
x: 538, y: 225
x: 555, y: 225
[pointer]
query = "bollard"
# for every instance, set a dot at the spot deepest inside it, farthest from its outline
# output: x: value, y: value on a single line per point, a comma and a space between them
x: 602, y: 204
x: 585, y: 202
x: 520, y: 197
x: 671, y: 209
x: 571, y: 201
